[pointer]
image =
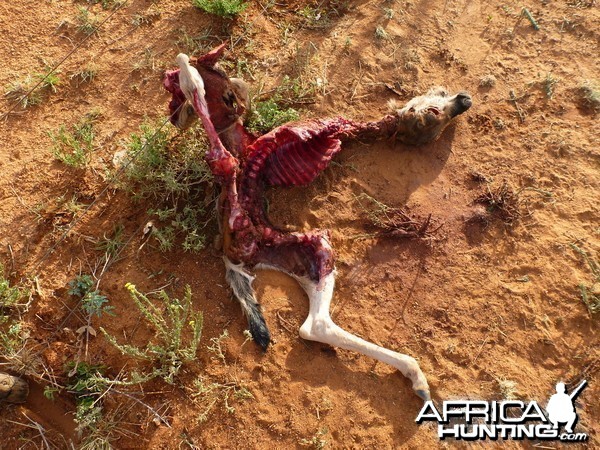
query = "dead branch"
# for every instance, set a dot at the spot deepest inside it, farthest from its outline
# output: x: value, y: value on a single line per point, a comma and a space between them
x: 398, y: 222
x: 502, y: 201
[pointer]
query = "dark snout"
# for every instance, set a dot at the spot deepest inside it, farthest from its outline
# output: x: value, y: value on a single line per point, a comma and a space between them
x: 462, y: 102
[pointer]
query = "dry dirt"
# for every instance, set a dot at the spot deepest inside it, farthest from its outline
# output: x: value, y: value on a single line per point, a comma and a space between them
x: 479, y: 305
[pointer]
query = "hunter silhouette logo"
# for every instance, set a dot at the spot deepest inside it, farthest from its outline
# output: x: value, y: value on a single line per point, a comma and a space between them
x: 560, y: 406
x: 511, y: 419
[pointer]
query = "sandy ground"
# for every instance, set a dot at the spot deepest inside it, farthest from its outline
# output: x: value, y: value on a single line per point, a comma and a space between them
x: 479, y: 306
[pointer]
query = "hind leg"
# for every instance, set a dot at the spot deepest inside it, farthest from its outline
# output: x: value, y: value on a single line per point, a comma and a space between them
x: 320, y: 327
x: 241, y: 284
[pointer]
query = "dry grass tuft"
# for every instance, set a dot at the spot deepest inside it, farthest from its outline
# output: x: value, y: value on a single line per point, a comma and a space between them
x: 396, y: 222
x: 501, y: 201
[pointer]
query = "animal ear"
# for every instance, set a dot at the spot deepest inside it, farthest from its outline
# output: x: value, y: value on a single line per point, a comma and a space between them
x: 187, y: 117
x: 212, y: 57
x: 240, y: 90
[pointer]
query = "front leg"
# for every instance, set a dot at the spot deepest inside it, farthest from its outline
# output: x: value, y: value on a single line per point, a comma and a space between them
x: 320, y: 327
x: 222, y: 163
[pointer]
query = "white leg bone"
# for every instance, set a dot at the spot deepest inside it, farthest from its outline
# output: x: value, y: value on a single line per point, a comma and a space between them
x: 320, y: 327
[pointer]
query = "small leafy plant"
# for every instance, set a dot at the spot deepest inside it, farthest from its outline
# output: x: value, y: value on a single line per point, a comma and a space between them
x: 74, y: 147
x: 10, y: 296
x: 207, y: 393
x: 85, y: 379
x: 170, y: 318
x: 19, y: 90
x: 85, y: 75
x: 188, y: 221
x: 92, y: 302
x: 590, y: 293
x: 549, y: 83
x: 322, y: 15
x: 590, y: 93
x: 87, y: 383
x: 281, y: 106
x: 16, y: 354
x: 108, y: 4
x: 269, y: 114
x: 380, y: 33
x: 171, y: 169
x: 317, y: 442
x: 81, y: 285
x: 87, y: 22
x: 112, y: 245
x: 223, y: 8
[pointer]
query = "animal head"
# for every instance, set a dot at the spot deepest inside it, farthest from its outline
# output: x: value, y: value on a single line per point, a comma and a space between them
x: 424, y: 118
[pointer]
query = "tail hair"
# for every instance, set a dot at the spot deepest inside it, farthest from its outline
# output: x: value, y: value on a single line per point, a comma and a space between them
x: 241, y: 284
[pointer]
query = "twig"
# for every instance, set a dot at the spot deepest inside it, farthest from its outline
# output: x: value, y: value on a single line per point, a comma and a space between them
x: 284, y: 323
x: 12, y: 259
x: 393, y: 89
x: 187, y: 439
x: 150, y: 408
x: 480, y: 348
x: 527, y: 14
x: 36, y: 426
x: 358, y: 81
x: 502, y: 200
x: 513, y: 99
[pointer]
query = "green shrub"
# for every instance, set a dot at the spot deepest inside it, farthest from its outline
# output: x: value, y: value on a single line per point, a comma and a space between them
x: 47, y: 82
x: 74, y: 147
x: 92, y: 302
x: 80, y: 285
x: 10, y: 296
x: 170, y: 168
x: 269, y: 114
x: 170, y: 317
x: 223, y: 8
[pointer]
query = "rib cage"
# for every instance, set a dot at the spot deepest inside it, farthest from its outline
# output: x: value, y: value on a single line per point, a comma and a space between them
x: 297, y: 162
x: 295, y: 154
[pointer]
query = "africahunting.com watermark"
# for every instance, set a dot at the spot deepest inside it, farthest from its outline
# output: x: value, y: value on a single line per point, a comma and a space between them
x: 471, y: 420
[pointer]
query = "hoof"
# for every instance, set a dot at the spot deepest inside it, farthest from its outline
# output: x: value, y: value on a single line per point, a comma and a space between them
x: 424, y: 394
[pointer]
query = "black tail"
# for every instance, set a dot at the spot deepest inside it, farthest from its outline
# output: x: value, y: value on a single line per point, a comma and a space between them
x: 241, y: 284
